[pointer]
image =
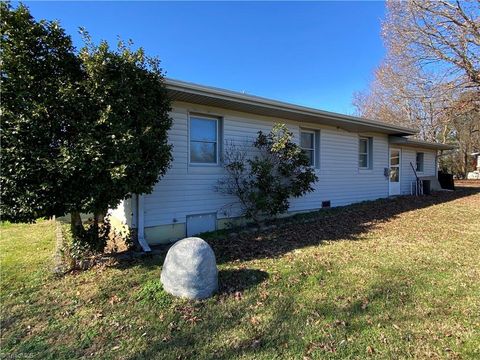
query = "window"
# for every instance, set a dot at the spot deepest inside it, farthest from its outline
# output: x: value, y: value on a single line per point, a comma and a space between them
x: 307, y: 143
x: 419, y: 167
x: 203, y: 140
x: 364, y: 161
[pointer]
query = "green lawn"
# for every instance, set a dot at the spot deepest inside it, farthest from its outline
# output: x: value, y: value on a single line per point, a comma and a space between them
x: 390, y: 279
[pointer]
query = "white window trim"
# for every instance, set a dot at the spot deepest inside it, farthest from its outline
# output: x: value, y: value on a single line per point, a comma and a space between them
x: 313, y: 143
x: 367, y: 153
x: 217, y: 139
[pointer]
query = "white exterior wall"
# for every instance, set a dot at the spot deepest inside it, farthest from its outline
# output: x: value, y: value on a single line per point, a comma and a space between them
x: 124, y: 212
x: 189, y: 189
x: 340, y: 179
x: 120, y: 213
x: 407, y: 175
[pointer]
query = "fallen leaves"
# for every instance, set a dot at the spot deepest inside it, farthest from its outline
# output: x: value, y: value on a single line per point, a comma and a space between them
x: 238, y: 295
x: 393, y: 294
x: 114, y: 300
x: 254, y: 320
x: 350, y: 223
x: 370, y: 350
x: 97, y: 315
x: 364, y: 304
x: 189, y: 314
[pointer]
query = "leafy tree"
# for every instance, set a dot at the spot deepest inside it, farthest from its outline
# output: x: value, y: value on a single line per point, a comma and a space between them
x: 42, y: 114
x: 264, y: 183
x: 129, y: 119
x: 80, y: 131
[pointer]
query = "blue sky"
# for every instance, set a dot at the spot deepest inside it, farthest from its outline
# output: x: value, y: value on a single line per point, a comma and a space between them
x: 311, y: 53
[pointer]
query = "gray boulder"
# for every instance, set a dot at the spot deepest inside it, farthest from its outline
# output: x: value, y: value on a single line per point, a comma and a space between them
x: 190, y: 269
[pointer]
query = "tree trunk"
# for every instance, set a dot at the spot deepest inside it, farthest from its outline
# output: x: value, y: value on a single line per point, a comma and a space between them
x: 98, y: 220
x: 444, y: 137
x: 99, y: 217
x: 76, y: 225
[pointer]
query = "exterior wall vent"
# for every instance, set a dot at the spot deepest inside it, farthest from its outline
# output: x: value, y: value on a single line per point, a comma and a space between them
x: 200, y: 223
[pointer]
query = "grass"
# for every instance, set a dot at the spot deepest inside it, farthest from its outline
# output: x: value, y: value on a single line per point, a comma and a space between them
x: 387, y: 279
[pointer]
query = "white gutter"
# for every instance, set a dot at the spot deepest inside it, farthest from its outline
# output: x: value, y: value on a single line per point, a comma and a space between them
x: 141, y: 224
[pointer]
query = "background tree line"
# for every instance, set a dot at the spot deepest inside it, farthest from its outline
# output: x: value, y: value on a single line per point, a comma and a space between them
x: 430, y: 77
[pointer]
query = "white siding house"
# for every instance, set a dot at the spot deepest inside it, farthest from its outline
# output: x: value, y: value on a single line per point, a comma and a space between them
x: 351, y: 156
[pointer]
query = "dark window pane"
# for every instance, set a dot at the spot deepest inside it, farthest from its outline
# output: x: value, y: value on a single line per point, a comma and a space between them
x: 203, y: 129
x: 363, y: 146
x: 363, y: 160
x: 310, y: 156
x: 203, y: 152
x: 419, y: 161
x: 306, y: 140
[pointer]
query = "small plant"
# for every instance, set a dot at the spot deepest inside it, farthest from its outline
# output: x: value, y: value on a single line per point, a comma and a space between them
x: 264, y: 183
x: 152, y: 292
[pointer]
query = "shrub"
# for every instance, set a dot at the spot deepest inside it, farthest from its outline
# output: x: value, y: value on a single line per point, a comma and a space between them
x: 264, y: 183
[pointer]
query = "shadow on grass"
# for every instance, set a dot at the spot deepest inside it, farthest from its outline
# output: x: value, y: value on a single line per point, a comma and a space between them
x: 238, y: 280
x: 308, y: 229
x: 348, y: 222
x: 309, y: 328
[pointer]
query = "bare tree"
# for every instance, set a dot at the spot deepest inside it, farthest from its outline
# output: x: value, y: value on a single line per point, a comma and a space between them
x: 401, y: 93
x: 464, y: 131
x: 430, y: 78
x: 440, y: 36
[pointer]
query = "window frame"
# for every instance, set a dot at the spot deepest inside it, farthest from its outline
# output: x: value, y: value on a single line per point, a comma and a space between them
x: 217, y: 139
x: 367, y: 140
x: 314, y: 144
x: 421, y: 169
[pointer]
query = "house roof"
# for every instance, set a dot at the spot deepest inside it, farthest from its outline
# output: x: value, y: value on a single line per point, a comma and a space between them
x: 419, y: 143
x: 211, y: 96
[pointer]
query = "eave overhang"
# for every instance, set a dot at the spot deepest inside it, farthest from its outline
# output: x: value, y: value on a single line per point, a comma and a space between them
x: 419, y: 143
x: 210, y: 96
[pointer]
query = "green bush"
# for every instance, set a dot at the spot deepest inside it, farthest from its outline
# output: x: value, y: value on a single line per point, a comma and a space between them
x: 78, y: 127
x: 264, y: 183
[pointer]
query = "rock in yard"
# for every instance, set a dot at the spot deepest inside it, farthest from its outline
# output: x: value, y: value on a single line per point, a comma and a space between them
x: 190, y: 269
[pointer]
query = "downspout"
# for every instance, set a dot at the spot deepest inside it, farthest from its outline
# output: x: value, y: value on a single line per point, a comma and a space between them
x: 141, y: 224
